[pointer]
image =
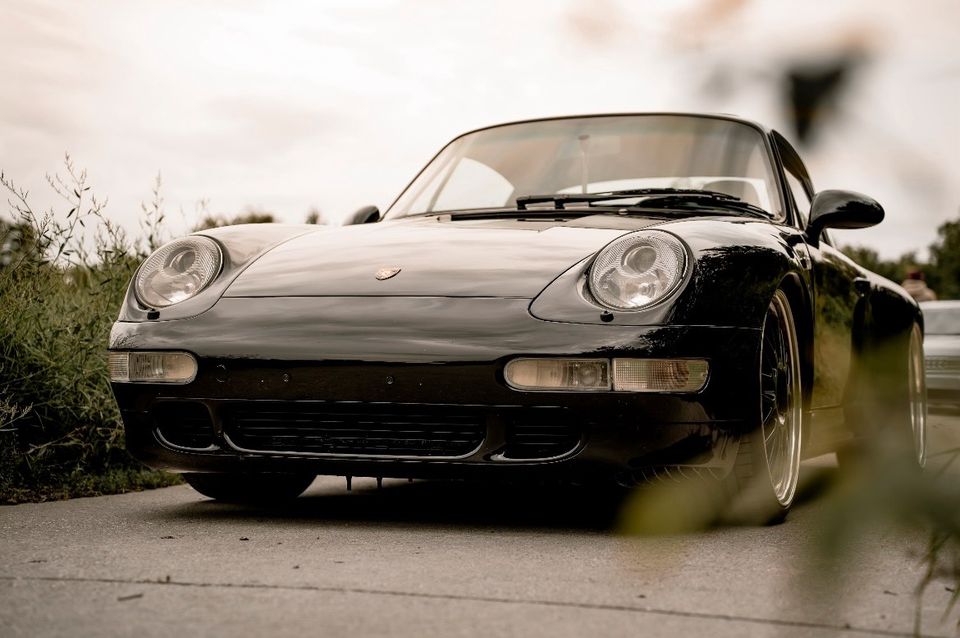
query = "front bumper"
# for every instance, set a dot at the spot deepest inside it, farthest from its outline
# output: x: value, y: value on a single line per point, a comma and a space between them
x: 943, y: 380
x: 406, y: 357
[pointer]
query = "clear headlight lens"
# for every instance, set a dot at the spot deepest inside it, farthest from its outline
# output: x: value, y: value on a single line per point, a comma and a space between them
x: 558, y: 374
x: 178, y: 271
x: 604, y: 375
x: 638, y: 270
x: 152, y: 367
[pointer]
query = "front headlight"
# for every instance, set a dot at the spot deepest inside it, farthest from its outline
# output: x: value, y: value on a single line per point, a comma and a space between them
x: 178, y: 271
x: 638, y: 270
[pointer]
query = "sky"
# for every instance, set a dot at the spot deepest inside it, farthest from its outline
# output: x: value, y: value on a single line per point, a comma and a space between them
x: 333, y: 105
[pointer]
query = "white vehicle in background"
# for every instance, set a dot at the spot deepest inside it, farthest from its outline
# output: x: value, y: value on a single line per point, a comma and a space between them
x: 941, y: 346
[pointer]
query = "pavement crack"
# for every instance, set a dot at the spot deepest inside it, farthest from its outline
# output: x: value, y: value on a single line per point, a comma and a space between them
x: 167, y: 582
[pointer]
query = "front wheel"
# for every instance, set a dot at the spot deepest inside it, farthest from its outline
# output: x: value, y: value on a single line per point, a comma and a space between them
x: 259, y: 489
x: 767, y: 468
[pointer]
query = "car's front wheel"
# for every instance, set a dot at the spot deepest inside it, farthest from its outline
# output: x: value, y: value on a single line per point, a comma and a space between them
x: 767, y: 468
x: 250, y: 488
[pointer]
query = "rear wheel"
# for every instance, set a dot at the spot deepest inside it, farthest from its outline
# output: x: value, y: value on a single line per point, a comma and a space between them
x: 767, y: 467
x: 890, y: 418
x: 917, y: 396
x: 250, y: 488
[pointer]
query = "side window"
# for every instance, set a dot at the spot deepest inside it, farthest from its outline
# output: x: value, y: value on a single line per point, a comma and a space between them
x: 796, y: 175
x: 473, y: 185
x: 799, y: 197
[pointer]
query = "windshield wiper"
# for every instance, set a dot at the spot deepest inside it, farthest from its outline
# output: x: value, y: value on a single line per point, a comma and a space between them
x: 657, y: 198
x: 706, y: 205
x: 547, y: 213
x: 560, y: 199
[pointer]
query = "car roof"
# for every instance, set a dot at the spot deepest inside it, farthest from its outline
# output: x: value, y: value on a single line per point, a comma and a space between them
x: 946, y: 304
x: 710, y: 116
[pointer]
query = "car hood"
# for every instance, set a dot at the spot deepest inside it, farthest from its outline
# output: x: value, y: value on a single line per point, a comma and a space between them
x: 435, y: 257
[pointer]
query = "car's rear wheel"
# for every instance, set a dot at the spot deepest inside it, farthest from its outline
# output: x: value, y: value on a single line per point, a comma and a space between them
x: 767, y: 468
x: 890, y: 417
x: 250, y: 488
x: 917, y: 395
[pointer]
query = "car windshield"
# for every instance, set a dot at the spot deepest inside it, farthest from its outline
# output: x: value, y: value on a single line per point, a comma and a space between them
x: 938, y: 320
x: 492, y: 167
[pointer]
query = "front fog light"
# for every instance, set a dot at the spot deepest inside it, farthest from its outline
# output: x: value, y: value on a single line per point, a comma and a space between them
x: 659, y: 375
x: 558, y: 374
x: 152, y: 367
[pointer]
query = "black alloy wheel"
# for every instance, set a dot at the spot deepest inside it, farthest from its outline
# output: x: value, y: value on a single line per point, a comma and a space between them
x: 767, y: 467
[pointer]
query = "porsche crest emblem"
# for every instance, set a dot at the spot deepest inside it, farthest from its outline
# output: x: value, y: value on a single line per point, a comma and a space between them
x: 386, y: 273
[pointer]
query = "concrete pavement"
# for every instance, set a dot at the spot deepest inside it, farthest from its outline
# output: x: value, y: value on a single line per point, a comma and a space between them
x: 435, y: 559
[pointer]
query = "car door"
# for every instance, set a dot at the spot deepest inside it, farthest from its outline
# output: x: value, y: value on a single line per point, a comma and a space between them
x: 837, y: 289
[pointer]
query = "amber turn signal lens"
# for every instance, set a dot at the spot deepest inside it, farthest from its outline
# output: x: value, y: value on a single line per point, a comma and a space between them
x: 659, y: 375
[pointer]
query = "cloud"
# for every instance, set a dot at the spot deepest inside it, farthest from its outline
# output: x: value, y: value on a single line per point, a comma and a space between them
x: 338, y: 104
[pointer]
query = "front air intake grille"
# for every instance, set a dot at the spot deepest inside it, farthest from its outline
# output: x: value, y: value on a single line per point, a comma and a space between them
x: 355, y: 428
x: 540, y: 433
x: 943, y: 365
x: 183, y: 424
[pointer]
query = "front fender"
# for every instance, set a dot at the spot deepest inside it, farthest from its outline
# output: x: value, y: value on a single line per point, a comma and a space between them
x: 735, y: 268
x: 241, y: 245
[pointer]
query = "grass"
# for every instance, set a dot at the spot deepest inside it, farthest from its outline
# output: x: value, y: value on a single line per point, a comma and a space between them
x: 114, y: 480
x: 63, y: 275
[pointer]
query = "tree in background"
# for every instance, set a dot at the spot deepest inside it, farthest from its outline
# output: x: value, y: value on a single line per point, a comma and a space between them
x: 251, y: 216
x: 943, y: 273
x: 315, y: 216
x: 14, y: 239
x: 894, y: 270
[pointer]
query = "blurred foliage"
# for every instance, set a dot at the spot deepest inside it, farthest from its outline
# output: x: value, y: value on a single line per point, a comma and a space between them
x: 894, y: 270
x: 942, y: 271
x: 58, y: 419
x: 877, y: 492
x: 811, y: 89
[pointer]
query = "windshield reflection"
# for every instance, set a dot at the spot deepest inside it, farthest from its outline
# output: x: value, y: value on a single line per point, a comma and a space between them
x: 490, y: 168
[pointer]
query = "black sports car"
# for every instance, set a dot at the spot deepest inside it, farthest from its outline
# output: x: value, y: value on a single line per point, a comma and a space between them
x: 610, y: 297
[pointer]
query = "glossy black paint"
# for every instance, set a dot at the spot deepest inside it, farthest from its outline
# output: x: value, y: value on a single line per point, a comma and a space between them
x: 475, y: 258
x: 298, y: 316
x: 436, y: 364
x: 841, y: 209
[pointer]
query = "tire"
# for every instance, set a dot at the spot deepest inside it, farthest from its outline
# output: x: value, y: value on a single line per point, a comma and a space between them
x: 258, y: 489
x: 917, y: 395
x: 890, y: 419
x: 767, y: 467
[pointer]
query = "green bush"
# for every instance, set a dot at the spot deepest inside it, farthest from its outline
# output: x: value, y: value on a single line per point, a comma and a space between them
x: 62, y: 279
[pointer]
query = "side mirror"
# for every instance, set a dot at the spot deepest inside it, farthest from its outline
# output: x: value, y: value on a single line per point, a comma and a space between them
x: 366, y: 215
x: 841, y: 209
